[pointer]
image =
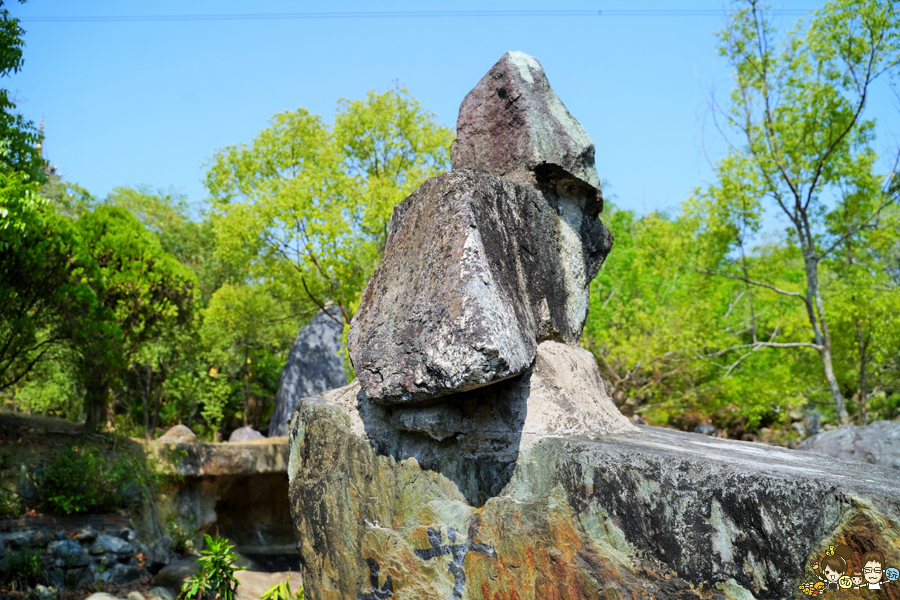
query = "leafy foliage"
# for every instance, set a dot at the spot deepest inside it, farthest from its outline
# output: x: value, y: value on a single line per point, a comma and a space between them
x: 85, y: 479
x: 309, y: 204
x: 23, y: 568
x: 215, y: 577
x: 282, y: 591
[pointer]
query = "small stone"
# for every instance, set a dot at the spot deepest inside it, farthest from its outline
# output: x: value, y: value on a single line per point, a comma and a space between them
x: 127, y: 534
x: 87, y: 535
x: 44, y: 593
x: 245, y: 434
x: 17, y: 540
x: 161, y: 593
x: 706, y: 429
x: 101, y: 596
x: 68, y: 554
x: 41, y: 538
x: 125, y: 553
x: 180, y: 434
x: 173, y: 575
x: 107, y: 543
x: 79, y: 576
x: 61, y: 534
x: 159, y: 554
x: 135, y: 595
x: 122, y: 574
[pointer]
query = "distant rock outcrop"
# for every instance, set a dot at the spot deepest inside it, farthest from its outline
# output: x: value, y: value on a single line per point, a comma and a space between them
x: 313, y: 366
x: 878, y: 443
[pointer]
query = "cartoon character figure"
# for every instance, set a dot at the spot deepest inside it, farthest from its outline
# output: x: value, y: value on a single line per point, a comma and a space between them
x: 834, y: 565
x: 873, y: 564
x: 857, y: 578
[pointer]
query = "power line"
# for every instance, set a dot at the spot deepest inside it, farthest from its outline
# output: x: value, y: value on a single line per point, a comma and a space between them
x: 397, y: 14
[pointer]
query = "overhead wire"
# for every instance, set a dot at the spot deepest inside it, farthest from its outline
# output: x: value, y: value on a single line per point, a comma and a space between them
x: 652, y: 12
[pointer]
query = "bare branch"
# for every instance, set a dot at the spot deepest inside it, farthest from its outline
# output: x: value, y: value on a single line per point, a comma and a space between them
x: 752, y: 282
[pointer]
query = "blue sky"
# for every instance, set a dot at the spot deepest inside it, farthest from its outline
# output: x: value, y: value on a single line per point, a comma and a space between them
x: 129, y: 103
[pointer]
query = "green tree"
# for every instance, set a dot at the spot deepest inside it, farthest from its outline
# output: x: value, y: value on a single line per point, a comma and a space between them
x: 310, y: 203
x: 246, y: 333
x: 18, y: 134
x: 143, y: 291
x: 798, y: 110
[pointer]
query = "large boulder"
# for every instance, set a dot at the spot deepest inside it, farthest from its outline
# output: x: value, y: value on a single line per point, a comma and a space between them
x: 477, y: 271
x: 878, y: 443
x: 487, y: 261
x: 655, y: 513
x: 313, y: 366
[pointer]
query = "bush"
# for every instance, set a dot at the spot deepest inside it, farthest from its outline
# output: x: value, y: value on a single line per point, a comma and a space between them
x: 22, y: 568
x: 88, y: 479
x: 215, y: 578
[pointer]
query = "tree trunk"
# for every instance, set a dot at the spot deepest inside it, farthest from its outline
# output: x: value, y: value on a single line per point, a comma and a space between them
x: 862, y: 373
x: 96, y: 397
x: 816, y: 312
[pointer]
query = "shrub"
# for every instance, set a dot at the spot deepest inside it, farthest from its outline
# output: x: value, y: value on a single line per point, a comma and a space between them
x: 88, y: 479
x: 22, y: 568
x: 215, y: 577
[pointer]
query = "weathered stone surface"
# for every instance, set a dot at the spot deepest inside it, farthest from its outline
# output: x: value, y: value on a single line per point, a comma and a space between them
x: 878, y: 443
x: 161, y: 593
x: 313, y: 366
x: 159, y: 554
x: 86, y: 535
x: 68, y: 553
x: 172, y: 576
x: 180, y: 434
x: 245, y: 434
x: 244, y: 458
x: 512, y: 121
x: 477, y: 271
x: 122, y: 574
x: 107, y: 543
x: 658, y: 513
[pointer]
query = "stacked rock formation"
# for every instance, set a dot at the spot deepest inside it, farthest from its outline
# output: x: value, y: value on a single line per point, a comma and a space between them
x: 478, y: 454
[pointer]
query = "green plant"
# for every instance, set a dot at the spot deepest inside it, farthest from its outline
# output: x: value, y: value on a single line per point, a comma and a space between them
x: 22, y: 568
x: 282, y: 591
x: 215, y: 578
x: 88, y: 479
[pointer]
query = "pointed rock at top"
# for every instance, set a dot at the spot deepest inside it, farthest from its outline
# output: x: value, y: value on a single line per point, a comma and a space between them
x: 512, y: 121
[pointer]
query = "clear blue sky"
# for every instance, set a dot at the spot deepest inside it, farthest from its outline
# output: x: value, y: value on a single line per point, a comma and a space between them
x: 129, y: 103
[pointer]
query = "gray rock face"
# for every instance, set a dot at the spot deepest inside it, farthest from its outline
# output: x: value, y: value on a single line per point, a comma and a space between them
x: 313, y: 366
x: 484, y: 263
x: 477, y: 271
x: 655, y: 513
x: 180, y: 434
x: 245, y: 434
x: 476, y: 436
x: 878, y: 443
x: 159, y: 554
x: 512, y: 120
